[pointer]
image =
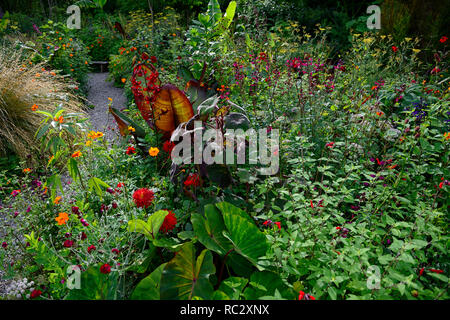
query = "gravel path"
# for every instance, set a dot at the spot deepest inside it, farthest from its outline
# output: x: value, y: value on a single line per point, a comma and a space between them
x: 99, y: 92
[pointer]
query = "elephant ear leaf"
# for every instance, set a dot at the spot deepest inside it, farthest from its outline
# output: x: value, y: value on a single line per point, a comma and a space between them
x: 148, y: 288
x: 185, y: 277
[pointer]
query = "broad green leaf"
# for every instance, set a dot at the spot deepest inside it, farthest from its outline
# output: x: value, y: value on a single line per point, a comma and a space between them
x: 264, y: 284
x: 185, y: 277
x: 233, y: 287
x: 209, y: 230
x: 148, y: 288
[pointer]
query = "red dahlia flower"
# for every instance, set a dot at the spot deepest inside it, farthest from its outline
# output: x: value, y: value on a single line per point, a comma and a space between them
x: 168, y: 146
x: 394, y: 48
x: 143, y: 197
x: 68, y: 243
x: 105, y: 269
x: 169, y: 223
x: 91, y: 248
x: 443, y: 39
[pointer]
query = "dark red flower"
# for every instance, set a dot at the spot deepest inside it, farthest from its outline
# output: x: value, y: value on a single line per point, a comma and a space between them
x: 91, y: 248
x: 330, y: 145
x: 169, y: 222
x: 394, y: 48
x: 120, y: 185
x: 168, y: 146
x: 83, y: 236
x: 115, y: 250
x: 144, y: 56
x: 4, y: 245
x: 68, y: 243
x: 192, y: 180
x: 443, y: 39
x: 143, y: 197
x: 105, y: 269
x: 130, y: 150
x: 35, y: 293
x: 153, y: 59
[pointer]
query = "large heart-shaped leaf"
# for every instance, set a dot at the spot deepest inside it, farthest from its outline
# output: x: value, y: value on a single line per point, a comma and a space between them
x: 209, y: 230
x: 148, y: 288
x: 247, y: 239
x: 185, y: 277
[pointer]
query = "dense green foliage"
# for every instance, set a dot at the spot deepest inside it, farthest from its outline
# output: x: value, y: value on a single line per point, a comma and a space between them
x: 357, y: 210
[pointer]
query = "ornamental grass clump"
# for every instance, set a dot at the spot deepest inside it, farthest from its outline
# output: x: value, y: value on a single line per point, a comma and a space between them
x: 24, y: 89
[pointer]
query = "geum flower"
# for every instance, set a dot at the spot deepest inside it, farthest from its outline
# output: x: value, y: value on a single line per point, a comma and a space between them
x: 62, y: 218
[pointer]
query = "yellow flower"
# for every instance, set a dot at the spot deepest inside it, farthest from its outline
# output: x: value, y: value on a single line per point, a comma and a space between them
x: 57, y: 200
x: 88, y: 143
x: 368, y: 40
x: 94, y: 135
x: 382, y: 37
x: 416, y: 50
x: 62, y: 218
x: 153, y: 151
x: 408, y: 39
x: 131, y: 129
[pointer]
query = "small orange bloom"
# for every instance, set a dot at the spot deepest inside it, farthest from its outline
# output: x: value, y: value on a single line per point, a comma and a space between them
x: 380, y: 113
x: 57, y: 199
x: 26, y: 170
x: 447, y: 135
x: 153, y: 152
x: 77, y: 154
x: 62, y: 218
x: 34, y: 107
x: 124, y: 80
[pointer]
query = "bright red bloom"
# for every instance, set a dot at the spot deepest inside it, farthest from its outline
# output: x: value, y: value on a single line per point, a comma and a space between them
x: 169, y: 223
x: 4, y: 245
x: 144, y: 56
x: 441, y: 185
x: 192, y: 180
x: 91, y: 248
x: 301, y: 295
x: 443, y: 39
x: 421, y: 271
x: 120, y: 185
x: 115, y: 250
x: 105, y: 269
x: 153, y: 59
x: 278, y: 224
x: 311, y: 203
x: 143, y: 197
x: 130, y: 150
x: 35, y: 293
x: 437, y: 270
x: 394, y: 48
x: 305, y: 296
x: 330, y: 145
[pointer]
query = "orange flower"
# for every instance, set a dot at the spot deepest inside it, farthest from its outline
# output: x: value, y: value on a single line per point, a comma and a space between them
x: 124, y: 80
x: 26, y: 170
x: 76, y: 154
x: 447, y: 135
x: 94, y: 135
x: 88, y: 143
x: 153, y: 152
x: 57, y: 199
x: 380, y: 113
x: 62, y: 218
x: 60, y: 119
x: 34, y: 107
x: 110, y: 99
